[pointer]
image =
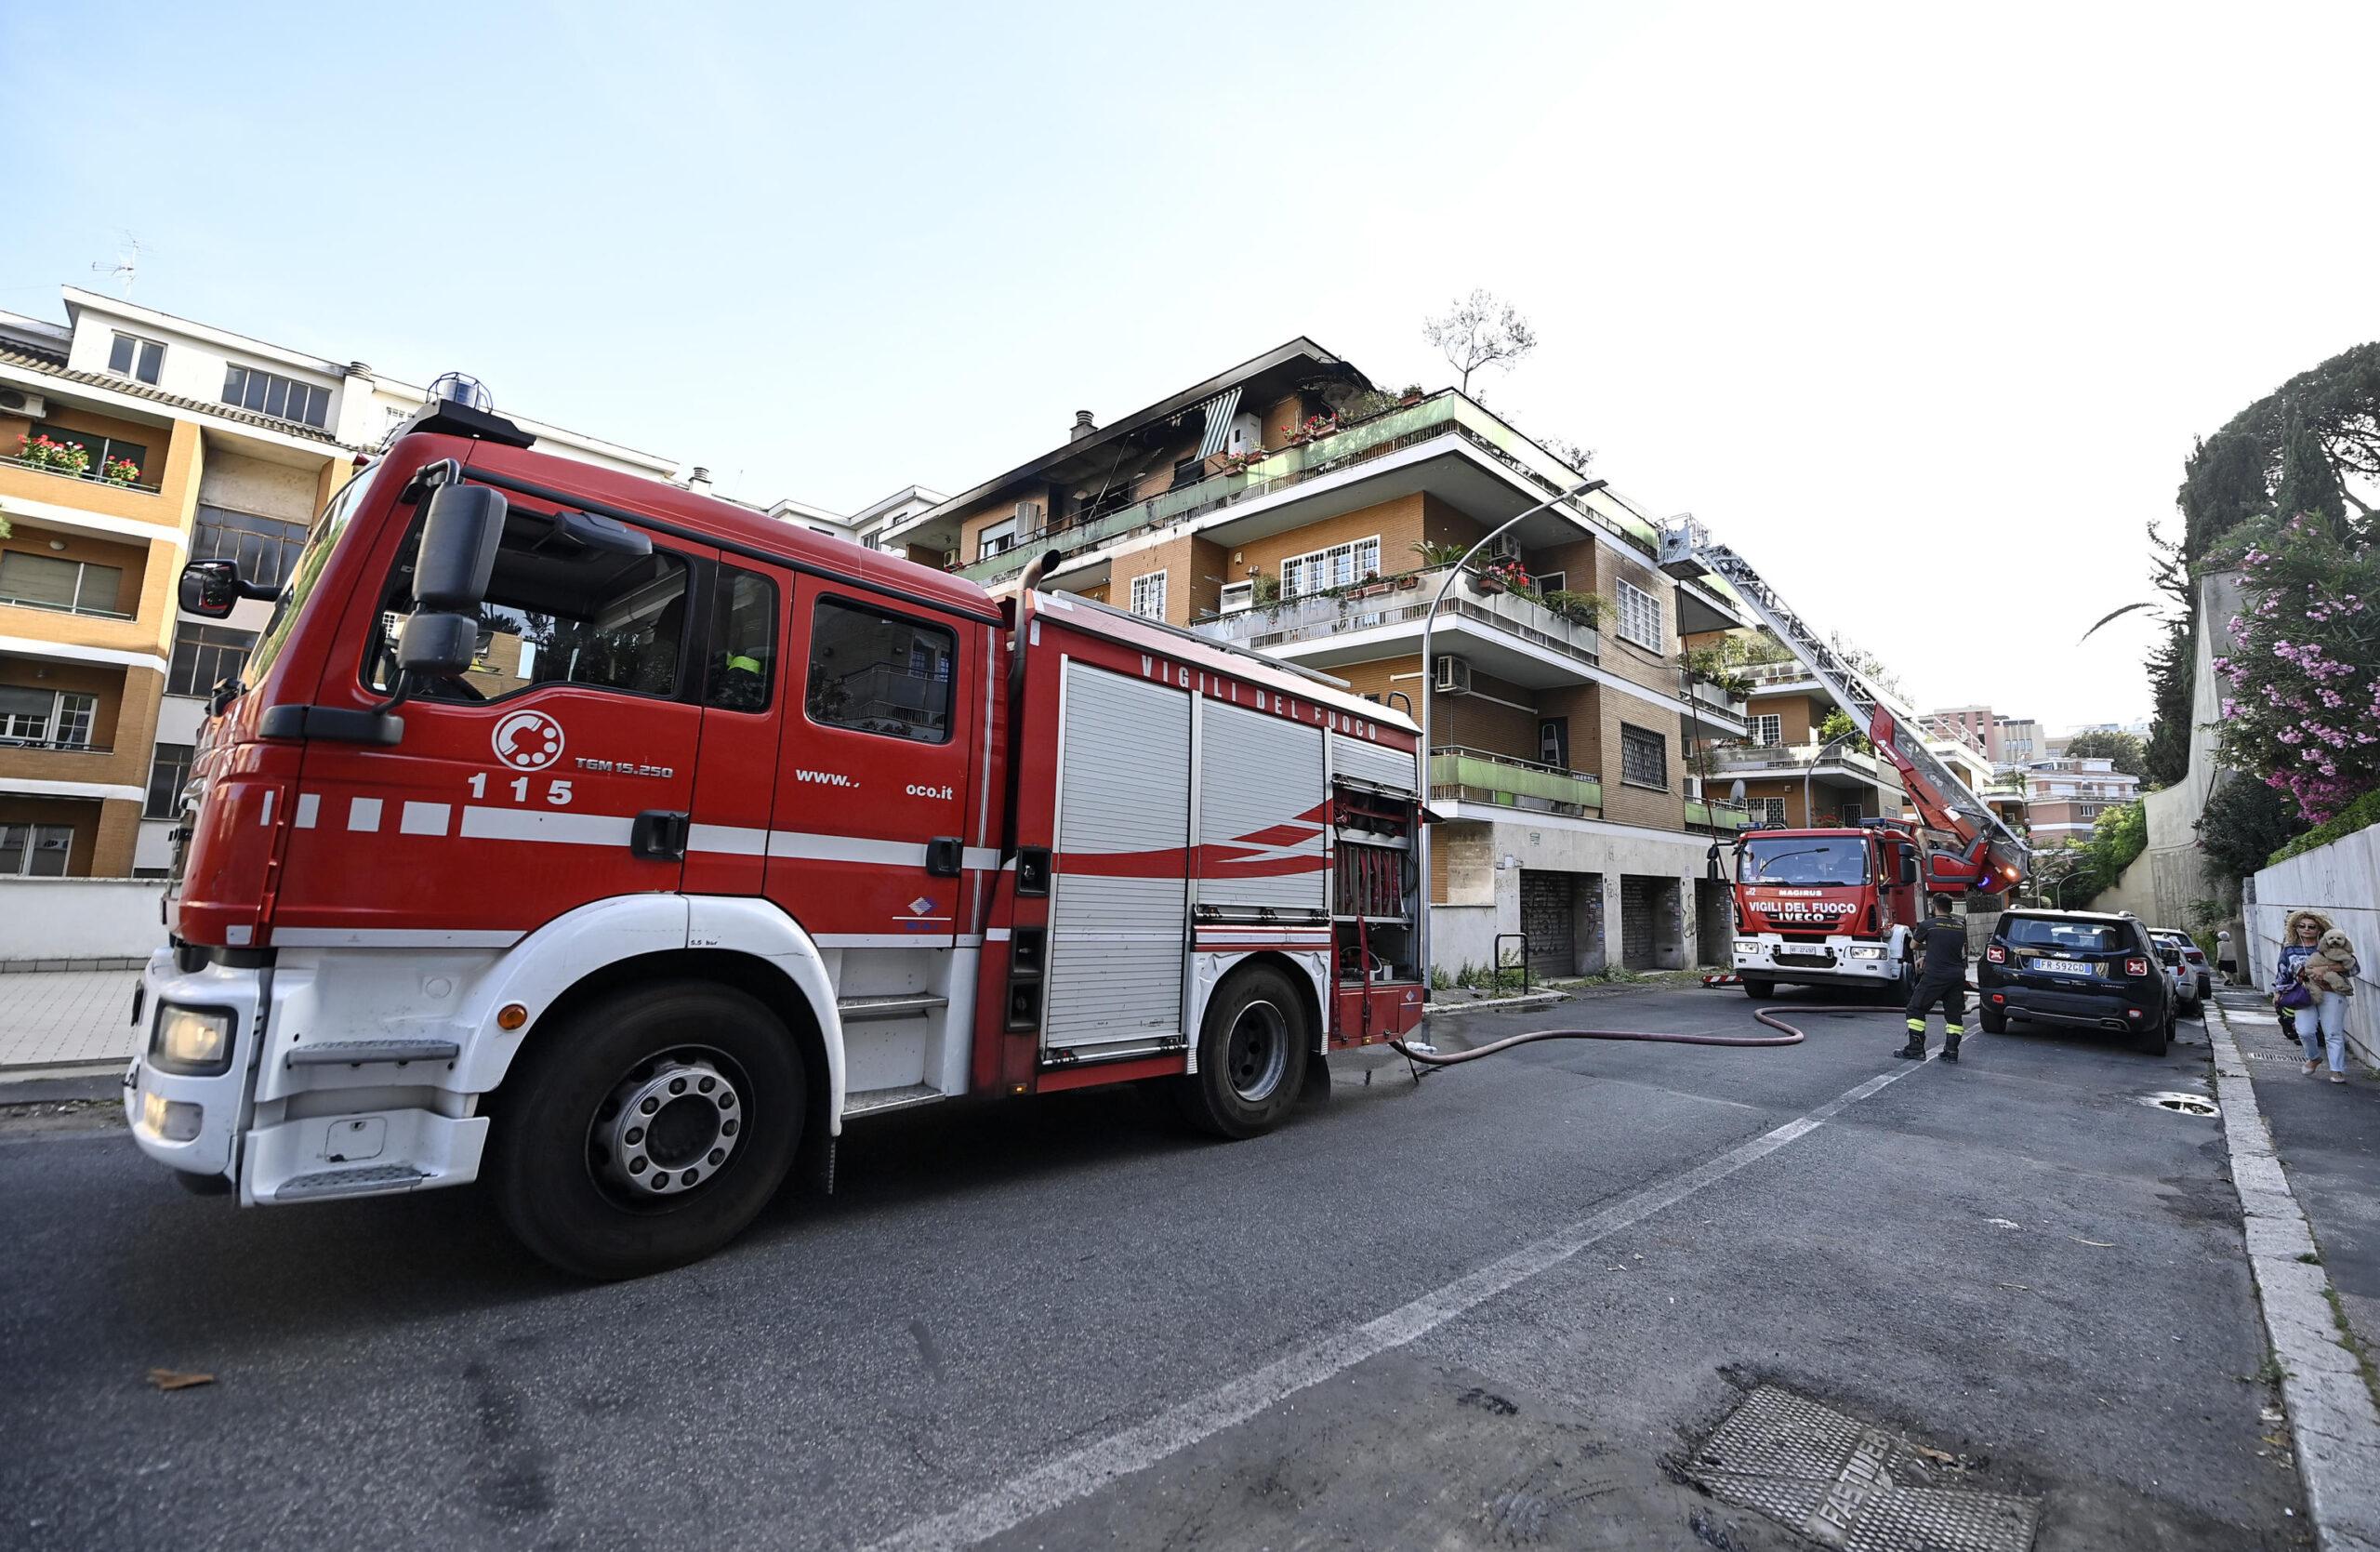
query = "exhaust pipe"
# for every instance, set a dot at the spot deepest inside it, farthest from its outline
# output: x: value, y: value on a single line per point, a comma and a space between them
x: 1036, y: 568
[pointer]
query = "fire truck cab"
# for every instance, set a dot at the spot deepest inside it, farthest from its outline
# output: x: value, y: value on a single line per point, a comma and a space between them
x: 620, y: 844
x: 1826, y: 906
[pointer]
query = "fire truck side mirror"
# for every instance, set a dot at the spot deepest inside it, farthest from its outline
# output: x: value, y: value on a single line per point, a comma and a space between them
x: 437, y: 646
x: 1908, y: 865
x: 210, y: 588
x: 458, y: 540
x: 1711, y: 864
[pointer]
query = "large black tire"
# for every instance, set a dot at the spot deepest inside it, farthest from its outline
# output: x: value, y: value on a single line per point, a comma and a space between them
x: 2152, y: 1042
x: 729, y: 1100
x: 1762, y: 990
x: 1994, y: 1021
x: 1904, y: 986
x: 1252, y: 1051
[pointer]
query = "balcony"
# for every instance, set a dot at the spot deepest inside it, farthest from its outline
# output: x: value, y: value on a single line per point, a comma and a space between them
x: 1767, y: 678
x: 1446, y: 414
x: 91, y: 475
x: 1792, y: 760
x: 1462, y: 774
x: 1392, y: 608
x: 1719, y: 816
x: 1719, y: 698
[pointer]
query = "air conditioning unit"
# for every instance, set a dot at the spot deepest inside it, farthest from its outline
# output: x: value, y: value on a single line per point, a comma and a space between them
x: 1454, y: 676
x: 1503, y: 547
x: 17, y: 401
x: 1238, y: 598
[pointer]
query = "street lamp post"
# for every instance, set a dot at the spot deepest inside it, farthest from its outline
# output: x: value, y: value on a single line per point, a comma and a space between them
x: 1429, y: 683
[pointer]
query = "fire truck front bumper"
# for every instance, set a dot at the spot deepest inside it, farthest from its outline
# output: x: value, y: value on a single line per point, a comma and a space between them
x: 195, y: 1101
x: 1839, y: 961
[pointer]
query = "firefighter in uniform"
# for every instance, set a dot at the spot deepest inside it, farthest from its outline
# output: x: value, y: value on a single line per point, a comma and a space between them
x: 1941, y: 942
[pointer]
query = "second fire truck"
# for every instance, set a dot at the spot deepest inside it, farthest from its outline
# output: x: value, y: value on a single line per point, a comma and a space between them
x: 1835, y: 907
x: 622, y: 846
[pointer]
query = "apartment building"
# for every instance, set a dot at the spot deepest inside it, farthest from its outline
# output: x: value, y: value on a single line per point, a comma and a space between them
x: 2022, y: 742
x: 1975, y: 725
x: 2064, y: 797
x: 1287, y: 506
x: 1791, y: 776
x: 132, y: 442
x: 870, y: 523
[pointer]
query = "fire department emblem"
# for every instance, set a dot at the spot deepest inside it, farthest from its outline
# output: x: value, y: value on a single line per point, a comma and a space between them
x: 527, y: 740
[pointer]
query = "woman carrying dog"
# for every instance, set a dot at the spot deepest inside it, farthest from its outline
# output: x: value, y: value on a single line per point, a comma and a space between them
x: 2313, y: 980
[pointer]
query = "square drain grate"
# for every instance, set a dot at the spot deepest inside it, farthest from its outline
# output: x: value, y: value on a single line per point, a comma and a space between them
x: 1842, y: 1483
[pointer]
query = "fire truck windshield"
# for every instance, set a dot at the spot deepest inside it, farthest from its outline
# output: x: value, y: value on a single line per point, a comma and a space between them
x: 1803, y: 859
x: 302, y: 577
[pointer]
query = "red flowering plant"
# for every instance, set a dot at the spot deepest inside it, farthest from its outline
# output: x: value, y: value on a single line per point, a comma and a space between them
x: 1509, y: 572
x: 42, y: 452
x: 2301, y: 703
x: 119, y: 471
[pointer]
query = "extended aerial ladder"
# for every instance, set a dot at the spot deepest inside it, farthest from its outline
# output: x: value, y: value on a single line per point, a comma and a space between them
x: 1990, y: 858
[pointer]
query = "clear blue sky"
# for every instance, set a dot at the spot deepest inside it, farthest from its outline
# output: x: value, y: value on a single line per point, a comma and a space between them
x: 1881, y: 293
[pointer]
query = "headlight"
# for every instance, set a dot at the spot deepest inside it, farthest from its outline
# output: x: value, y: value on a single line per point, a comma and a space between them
x: 193, y: 1042
x: 1867, y: 951
x: 1747, y: 946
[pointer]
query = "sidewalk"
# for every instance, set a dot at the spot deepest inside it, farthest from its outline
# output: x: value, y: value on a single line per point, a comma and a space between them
x: 2328, y: 1137
x: 53, y: 1019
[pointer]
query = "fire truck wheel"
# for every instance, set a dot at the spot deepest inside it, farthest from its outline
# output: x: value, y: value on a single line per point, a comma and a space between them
x: 1761, y: 989
x: 648, y: 1130
x: 1251, y: 1056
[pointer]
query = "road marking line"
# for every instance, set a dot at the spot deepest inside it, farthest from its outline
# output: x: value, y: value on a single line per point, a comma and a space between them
x: 1082, y: 1472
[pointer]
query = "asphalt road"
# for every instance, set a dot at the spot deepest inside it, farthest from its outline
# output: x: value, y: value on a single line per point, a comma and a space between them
x: 1066, y: 1322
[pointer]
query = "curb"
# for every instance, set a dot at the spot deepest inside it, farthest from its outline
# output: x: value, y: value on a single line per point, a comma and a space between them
x: 2333, y: 1423
x: 1534, y: 1000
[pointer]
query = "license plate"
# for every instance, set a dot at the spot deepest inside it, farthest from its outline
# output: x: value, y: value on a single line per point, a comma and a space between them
x: 2065, y: 967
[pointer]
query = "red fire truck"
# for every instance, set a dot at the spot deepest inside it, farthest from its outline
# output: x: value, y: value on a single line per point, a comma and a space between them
x: 620, y: 844
x: 1838, y: 907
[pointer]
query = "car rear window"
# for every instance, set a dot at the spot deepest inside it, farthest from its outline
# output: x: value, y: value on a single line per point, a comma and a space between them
x: 2072, y: 938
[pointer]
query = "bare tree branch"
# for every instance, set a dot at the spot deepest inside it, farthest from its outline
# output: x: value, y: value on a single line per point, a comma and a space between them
x: 1478, y: 332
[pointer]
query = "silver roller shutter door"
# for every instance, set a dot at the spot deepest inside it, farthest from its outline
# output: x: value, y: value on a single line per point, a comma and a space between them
x: 1116, y: 943
x: 1257, y: 775
x: 1374, y: 762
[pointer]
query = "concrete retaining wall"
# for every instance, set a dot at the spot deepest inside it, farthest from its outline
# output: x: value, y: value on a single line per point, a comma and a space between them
x: 45, y: 921
x: 2342, y: 881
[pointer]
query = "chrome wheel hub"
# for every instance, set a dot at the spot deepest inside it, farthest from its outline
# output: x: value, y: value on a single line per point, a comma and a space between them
x: 668, y: 1128
x: 1257, y: 1051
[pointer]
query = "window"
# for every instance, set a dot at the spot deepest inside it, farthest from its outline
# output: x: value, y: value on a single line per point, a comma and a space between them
x: 46, y: 582
x: 131, y: 357
x: 1793, y: 860
x: 879, y: 672
x: 556, y: 613
x: 1000, y: 536
x: 1768, y: 728
x: 168, y: 773
x: 1853, y: 812
x: 743, y: 642
x: 270, y: 393
x: 103, y: 449
x: 1334, y: 567
x: 1644, y: 758
x: 1640, y: 614
x: 1551, y: 582
x: 1148, y: 595
x: 54, y: 719
x: 205, y: 656
x: 35, y: 851
x: 265, y: 547
x: 1766, y: 810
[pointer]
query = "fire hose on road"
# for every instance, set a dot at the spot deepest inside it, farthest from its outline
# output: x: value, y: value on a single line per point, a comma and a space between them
x: 1428, y: 1056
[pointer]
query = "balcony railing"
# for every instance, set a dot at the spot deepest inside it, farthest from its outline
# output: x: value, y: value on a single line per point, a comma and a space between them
x: 1790, y: 671
x: 1738, y: 758
x: 88, y: 476
x: 1717, y: 815
x: 1479, y: 776
x: 1719, y: 698
x: 1446, y: 413
x: 1403, y: 599
x: 55, y: 746
x: 85, y: 609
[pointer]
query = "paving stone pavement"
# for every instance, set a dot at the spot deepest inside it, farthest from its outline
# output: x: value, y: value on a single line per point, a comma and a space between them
x: 59, y: 1018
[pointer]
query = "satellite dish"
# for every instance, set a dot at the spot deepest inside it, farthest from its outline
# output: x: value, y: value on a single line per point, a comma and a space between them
x: 1735, y: 790
x: 456, y: 388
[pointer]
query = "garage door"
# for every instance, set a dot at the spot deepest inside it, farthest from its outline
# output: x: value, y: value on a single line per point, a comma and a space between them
x: 1639, y: 897
x: 1545, y: 917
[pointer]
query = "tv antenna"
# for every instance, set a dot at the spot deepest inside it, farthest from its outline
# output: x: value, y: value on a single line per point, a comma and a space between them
x: 127, y: 263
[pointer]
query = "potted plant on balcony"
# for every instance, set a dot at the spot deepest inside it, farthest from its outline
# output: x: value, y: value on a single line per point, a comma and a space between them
x: 1506, y: 574
x: 1265, y: 592
x: 1413, y: 394
x: 58, y: 458
x: 119, y: 471
x: 1371, y: 586
x: 1436, y: 554
x: 1578, y: 608
x: 1317, y: 426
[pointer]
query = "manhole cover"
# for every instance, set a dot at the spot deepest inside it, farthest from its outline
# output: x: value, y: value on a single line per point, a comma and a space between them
x: 1842, y: 1483
x: 2180, y: 1104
